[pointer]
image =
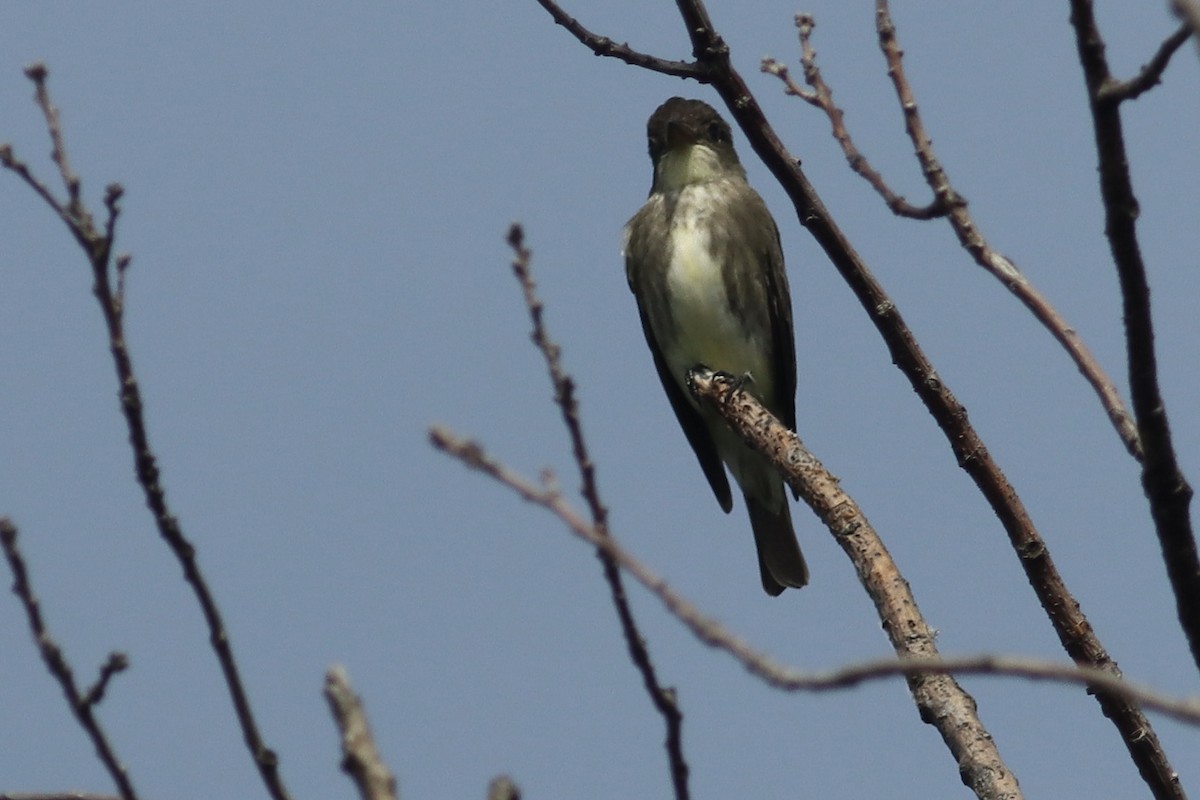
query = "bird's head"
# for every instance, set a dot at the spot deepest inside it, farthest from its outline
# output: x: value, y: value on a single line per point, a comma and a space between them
x: 690, y: 144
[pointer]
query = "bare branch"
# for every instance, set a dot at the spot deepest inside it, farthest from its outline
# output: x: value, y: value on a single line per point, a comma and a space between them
x: 360, y: 758
x: 82, y: 704
x: 116, y: 663
x: 821, y: 96
x: 97, y: 245
x: 1151, y: 74
x: 1162, y: 480
x: 603, y: 46
x: 712, y: 633
x: 941, y: 701
x: 662, y: 697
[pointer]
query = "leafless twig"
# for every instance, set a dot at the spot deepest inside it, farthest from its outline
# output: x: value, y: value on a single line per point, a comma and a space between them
x: 603, y: 46
x: 711, y: 632
x: 1149, y: 75
x: 821, y: 96
x: 97, y: 244
x: 82, y: 704
x: 662, y: 697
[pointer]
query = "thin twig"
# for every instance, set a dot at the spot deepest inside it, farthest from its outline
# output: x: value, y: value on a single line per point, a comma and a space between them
x: 1162, y: 480
x: 712, y: 633
x: 360, y: 757
x: 97, y: 244
x: 82, y: 704
x: 821, y: 96
x: 663, y: 698
x: 113, y: 666
x: 603, y: 46
x: 1150, y: 74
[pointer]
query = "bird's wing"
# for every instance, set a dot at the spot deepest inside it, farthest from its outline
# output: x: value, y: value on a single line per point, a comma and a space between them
x: 690, y: 420
x: 783, y: 339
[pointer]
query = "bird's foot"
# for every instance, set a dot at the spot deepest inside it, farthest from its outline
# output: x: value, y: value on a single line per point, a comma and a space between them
x: 736, y: 383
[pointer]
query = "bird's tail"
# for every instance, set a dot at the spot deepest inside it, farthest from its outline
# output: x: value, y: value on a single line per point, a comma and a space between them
x: 779, y: 558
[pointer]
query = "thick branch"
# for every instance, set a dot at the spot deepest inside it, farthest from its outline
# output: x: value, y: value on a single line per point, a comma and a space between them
x: 940, y: 700
x: 1162, y: 480
x: 360, y: 758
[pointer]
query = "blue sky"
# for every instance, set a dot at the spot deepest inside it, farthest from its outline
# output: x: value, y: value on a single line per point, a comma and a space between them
x: 316, y: 200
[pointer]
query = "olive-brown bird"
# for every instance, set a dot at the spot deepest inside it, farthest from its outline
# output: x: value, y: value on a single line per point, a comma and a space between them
x: 703, y: 260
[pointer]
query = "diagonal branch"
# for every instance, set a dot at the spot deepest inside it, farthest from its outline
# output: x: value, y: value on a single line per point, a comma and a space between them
x: 1150, y: 74
x: 940, y: 700
x: 360, y: 757
x: 711, y: 632
x: 603, y: 46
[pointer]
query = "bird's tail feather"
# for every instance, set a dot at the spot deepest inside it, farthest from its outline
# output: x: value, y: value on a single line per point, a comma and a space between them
x: 779, y: 558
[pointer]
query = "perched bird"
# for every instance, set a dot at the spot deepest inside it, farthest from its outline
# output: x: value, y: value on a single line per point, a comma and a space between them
x: 703, y: 260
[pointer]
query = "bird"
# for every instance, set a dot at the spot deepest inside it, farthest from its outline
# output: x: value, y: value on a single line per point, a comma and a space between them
x: 704, y: 262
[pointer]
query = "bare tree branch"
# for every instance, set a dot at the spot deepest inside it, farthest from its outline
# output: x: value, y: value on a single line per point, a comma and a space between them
x: 603, y: 46
x: 662, y: 697
x: 941, y: 701
x: 712, y: 633
x: 360, y: 758
x: 82, y: 704
x: 1151, y: 73
x: 949, y: 203
x: 821, y: 96
x: 1162, y: 480
x: 97, y: 245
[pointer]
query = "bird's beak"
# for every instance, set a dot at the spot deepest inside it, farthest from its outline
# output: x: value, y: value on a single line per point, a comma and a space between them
x: 677, y: 135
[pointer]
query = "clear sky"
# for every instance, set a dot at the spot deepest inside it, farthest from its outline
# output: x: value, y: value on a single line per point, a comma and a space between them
x: 316, y: 199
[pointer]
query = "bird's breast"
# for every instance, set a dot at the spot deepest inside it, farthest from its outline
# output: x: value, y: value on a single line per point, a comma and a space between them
x: 706, y: 329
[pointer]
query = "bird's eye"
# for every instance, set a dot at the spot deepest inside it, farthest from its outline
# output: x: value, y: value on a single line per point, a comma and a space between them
x: 717, y: 132
x: 656, y: 144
